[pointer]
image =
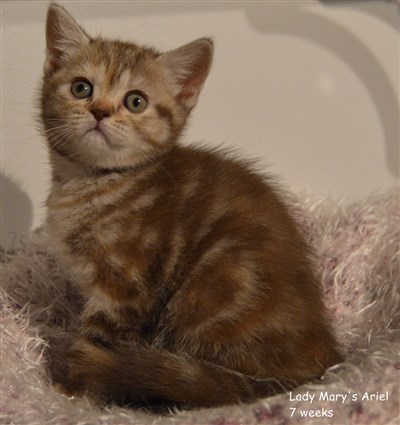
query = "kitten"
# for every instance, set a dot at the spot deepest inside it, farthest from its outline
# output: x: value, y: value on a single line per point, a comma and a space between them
x: 198, y: 286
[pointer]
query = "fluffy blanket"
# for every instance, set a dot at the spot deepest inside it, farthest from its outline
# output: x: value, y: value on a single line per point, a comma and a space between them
x: 357, y: 248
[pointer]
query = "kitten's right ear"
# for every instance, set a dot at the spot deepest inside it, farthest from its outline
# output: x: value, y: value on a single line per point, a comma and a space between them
x: 63, y: 34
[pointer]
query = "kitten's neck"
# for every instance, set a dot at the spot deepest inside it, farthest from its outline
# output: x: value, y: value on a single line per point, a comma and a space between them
x: 64, y: 169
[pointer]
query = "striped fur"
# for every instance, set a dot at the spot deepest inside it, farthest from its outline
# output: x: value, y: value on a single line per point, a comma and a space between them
x: 198, y: 286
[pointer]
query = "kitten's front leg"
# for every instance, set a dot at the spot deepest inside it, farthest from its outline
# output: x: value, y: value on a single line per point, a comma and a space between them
x: 113, y: 313
x: 95, y: 342
x: 106, y: 321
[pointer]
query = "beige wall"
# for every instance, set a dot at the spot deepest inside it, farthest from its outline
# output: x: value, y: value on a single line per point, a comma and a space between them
x: 312, y: 88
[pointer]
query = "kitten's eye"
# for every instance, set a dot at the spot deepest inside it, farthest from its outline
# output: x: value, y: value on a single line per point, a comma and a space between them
x: 136, y: 102
x: 82, y: 89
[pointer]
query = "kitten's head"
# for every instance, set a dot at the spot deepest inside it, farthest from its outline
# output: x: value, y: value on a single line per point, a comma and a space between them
x: 110, y: 104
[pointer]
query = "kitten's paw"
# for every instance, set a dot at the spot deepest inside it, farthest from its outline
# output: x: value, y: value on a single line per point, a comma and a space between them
x: 88, y: 368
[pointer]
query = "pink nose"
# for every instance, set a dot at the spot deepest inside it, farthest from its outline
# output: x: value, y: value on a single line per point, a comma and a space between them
x: 99, y: 114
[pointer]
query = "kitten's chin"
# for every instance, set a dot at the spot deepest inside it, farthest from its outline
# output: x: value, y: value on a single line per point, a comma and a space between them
x: 96, y: 150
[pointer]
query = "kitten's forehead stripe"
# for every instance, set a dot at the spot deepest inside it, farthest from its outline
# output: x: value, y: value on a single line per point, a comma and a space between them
x: 119, y: 57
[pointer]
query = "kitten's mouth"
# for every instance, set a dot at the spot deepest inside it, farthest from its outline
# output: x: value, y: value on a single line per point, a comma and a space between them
x: 97, y: 134
x: 97, y: 130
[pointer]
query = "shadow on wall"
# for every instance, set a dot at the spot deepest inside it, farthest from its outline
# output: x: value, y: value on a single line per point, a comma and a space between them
x: 296, y: 20
x: 375, y: 9
x: 16, y: 212
x: 386, y: 14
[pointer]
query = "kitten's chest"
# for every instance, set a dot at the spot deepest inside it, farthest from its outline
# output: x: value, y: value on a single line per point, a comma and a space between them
x: 96, y: 226
x: 75, y: 217
x: 110, y: 247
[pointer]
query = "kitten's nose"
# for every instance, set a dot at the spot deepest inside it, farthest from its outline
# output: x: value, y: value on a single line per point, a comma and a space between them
x: 99, y: 114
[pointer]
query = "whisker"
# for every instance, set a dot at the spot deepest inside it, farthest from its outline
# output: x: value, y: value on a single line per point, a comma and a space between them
x: 63, y: 136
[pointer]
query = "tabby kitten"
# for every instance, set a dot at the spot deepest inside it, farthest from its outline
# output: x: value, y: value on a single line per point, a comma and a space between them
x: 198, y: 286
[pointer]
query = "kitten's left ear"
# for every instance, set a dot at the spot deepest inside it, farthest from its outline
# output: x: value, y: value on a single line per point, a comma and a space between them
x: 63, y: 35
x: 187, y: 68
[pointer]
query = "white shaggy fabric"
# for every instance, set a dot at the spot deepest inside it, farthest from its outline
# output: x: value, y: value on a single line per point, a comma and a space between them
x: 357, y: 248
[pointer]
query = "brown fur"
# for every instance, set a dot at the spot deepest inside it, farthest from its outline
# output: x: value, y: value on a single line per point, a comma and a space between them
x: 198, y: 286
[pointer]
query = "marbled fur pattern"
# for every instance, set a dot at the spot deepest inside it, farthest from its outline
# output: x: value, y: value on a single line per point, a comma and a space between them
x: 198, y: 286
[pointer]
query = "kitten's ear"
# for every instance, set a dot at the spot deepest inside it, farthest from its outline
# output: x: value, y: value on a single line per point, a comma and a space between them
x: 187, y: 68
x: 63, y: 34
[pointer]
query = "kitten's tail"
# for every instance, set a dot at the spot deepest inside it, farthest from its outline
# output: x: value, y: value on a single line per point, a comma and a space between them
x: 145, y: 374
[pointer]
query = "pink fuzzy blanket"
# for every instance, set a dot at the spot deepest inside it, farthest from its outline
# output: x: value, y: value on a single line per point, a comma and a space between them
x: 358, y: 256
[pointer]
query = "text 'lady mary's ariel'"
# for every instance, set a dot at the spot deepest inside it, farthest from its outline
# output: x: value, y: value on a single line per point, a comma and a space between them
x: 339, y: 397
